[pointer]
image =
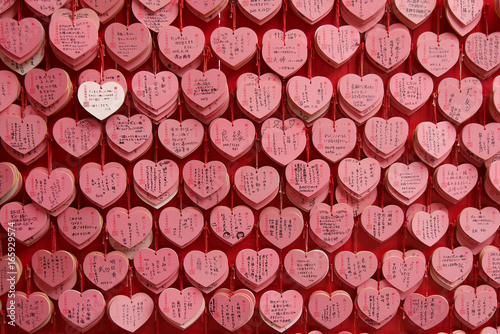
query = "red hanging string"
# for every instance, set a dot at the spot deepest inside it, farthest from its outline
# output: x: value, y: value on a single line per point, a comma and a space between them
x: 181, y: 7
x: 24, y: 101
x: 460, y: 65
x: 28, y: 279
x: 105, y: 241
x: 429, y: 194
x: 256, y: 151
x: 332, y: 193
x: 19, y: 12
x: 337, y: 13
x: 154, y: 59
x: 129, y: 104
x: 283, y: 107
x: 285, y: 8
x: 130, y: 276
x: 101, y: 52
x: 103, y: 153
x: 407, y: 153
x: 205, y: 230
x: 281, y: 194
x: 205, y: 317
x: 232, y: 277
x: 476, y: 274
x: 434, y: 107
x: 306, y: 237
x: 47, y: 56
x: 388, y: 15
x: 405, y: 230
x: 386, y: 106
x: 78, y: 195
x: 438, y: 19
x: 232, y: 195
x: 450, y: 323
x: 128, y: 196
x: 156, y: 148
x: 281, y: 278
x: 73, y: 11
x: 205, y: 146
x: 334, y: 105
x: 257, y: 61
x: 361, y: 59
x: 54, y: 241
x: 80, y: 276
x: 456, y: 150
x: 360, y: 147
x: 75, y: 103
x: 330, y: 280
x: 427, y: 279
x: 181, y: 276
x: 156, y: 232
x: 128, y: 13
x: 452, y: 233
x: 485, y: 17
x: 304, y: 312
x: 24, y: 193
x: 479, y: 193
x: 309, y: 61
x: 257, y: 236
x: 180, y: 193
x: 180, y: 109
x: 355, y: 238
x: 232, y: 14
x: 207, y: 54
x: 308, y: 147
x: 410, y: 60
x: 382, y: 190
x: 483, y: 123
x: 231, y: 109
x: 355, y: 318
x: 49, y: 155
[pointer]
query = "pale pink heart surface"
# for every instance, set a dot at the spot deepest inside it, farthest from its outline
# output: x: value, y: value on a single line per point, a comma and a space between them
x: 31, y: 312
x: 156, y: 266
x: 203, y: 88
x: 103, y: 185
x: 428, y: 135
x: 206, y: 269
x: 411, y: 91
x: 204, y: 179
x: 74, y: 304
x: 237, y: 306
x: 234, y: 47
x: 388, y: 47
x: 130, y: 313
x: 465, y: 12
x: 46, y: 87
x: 437, y: 54
x: 482, y: 141
x: 284, y: 54
x: 232, y: 138
x: 281, y: 228
x: 181, y: 228
x: 10, y: 89
x: 403, y: 273
x: 378, y: 305
x: 257, y: 267
x: 382, y: 223
x: 129, y: 227
x: 260, y: 12
x: 386, y: 135
x: 355, y: 268
x: 20, y: 39
x: 478, y: 307
x: 80, y: 225
x: 447, y: 175
x: 53, y: 268
x: 180, y: 138
x: 281, y: 308
x: 338, y: 43
x: 359, y: 176
x: 232, y: 225
x: 155, y: 90
x: 50, y: 190
x: 426, y: 312
x: 429, y: 228
x: 284, y: 145
x: 482, y: 50
x: 27, y: 220
x: 181, y: 306
x: 330, y: 311
x: 73, y: 38
x: 156, y: 178
x: 77, y: 138
x: 459, y: 104
x: 128, y: 133
x: 22, y: 134
x: 479, y: 225
x: 308, y: 268
x: 334, y: 140
x: 408, y: 180
x: 105, y: 271
x: 452, y: 264
x: 127, y: 42
x: 181, y: 48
